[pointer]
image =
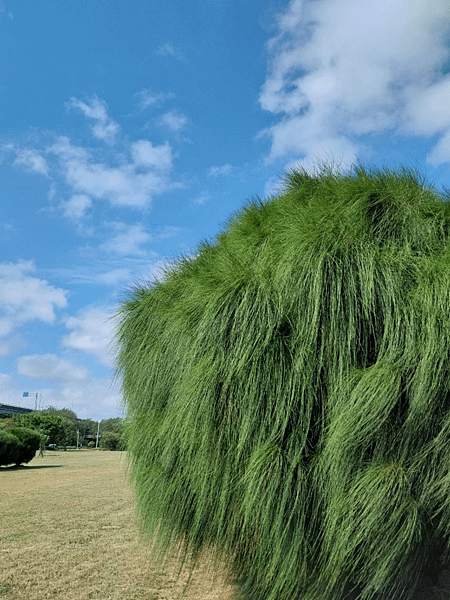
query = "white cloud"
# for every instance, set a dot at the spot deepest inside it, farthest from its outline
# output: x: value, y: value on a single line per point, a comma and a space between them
x: 133, y: 183
x: 5, y: 381
x: 96, y: 399
x: 340, y: 69
x: 201, y: 199
x: 145, y: 154
x: 428, y: 108
x: 129, y: 177
x: 92, y: 332
x: 167, y: 231
x: 32, y: 161
x: 105, y: 128
x: 50, y: 366
x: 67, y: 152
x: 24, y: 298
x: 222, y: 171
x: 148, y: 98
x: 273, y: 186
x: 169, y: 50
x: 76, y: 208
x: 441, y: 152
x: 12, y: 345
x: 127, y: 239
x: 174, y: 121
x: 5, y: 349
x: 114, y: 276
x: 106, y: 131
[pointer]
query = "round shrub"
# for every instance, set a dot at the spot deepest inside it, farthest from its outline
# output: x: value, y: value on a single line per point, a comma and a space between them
x: 288, y: 389
x: 28, y: 444
x: 9, y: 448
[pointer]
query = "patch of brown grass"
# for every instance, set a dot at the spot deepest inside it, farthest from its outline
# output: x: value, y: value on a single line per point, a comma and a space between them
x: 68, y: 531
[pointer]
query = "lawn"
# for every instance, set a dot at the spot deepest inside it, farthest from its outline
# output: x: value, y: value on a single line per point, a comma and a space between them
x: 68, y: 530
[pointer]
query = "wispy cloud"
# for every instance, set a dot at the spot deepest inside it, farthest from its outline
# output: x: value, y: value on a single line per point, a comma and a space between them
x: 148, y: 98
x: 76, y: 207
x: 174, y: 121
x: 3, y: 10
x: 32, y: 161
x: 51, y: 367
x: 222, y: 171
x: 201, y: 199
x: 168, y: 49
x: 127, y: 239
x: 102, y: 272
x: 113, y: 276
x: 105, y: 128
x: 340, y: 70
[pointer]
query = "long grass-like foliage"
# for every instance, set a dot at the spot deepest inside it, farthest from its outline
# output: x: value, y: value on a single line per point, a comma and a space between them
x: 288, y: 389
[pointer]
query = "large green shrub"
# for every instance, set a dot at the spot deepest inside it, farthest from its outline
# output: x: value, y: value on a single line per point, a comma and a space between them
x: 288, y: 389
x: 25, y: 447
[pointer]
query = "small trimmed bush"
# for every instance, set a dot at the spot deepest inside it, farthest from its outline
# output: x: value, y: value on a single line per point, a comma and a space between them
x: 9, y: 448
x: 28, y: 444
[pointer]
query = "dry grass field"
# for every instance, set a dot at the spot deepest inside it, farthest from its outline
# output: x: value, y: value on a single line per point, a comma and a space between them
x: 68, y: 531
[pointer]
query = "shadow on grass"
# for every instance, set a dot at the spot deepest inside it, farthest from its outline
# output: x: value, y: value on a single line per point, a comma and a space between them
x: 27, y: 468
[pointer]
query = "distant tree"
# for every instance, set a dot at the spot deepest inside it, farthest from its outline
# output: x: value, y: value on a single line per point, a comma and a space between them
x: 62, y: 412
x: 59, y: 430
x: 28, y: 444
x: 87, y: 429
x: 115, y: 425
x: 288, y: 389
x: 111, y: 441
x: 68, y: 433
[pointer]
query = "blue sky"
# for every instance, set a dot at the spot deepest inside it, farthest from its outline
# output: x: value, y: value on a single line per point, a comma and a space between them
x: 130, y: 132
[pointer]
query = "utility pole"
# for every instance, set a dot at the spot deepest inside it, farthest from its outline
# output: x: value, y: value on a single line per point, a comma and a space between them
x: 78, y: 437
x: 98, y: 429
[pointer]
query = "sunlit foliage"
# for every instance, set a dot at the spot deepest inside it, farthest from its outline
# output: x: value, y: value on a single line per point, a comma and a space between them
x: 288, y: 389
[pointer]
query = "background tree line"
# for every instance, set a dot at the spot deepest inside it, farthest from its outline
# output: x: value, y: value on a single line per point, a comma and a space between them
x: 60, y: 428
